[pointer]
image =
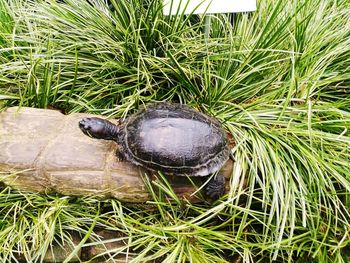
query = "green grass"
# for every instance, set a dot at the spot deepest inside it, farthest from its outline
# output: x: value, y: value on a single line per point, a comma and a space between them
x: 278, y: 79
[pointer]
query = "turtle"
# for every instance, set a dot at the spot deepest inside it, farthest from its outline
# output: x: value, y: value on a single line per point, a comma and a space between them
x: 171, y: 138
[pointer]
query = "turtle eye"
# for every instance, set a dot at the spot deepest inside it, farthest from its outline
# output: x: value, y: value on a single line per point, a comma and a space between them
x: 84, y: 127
x: 90, y: 125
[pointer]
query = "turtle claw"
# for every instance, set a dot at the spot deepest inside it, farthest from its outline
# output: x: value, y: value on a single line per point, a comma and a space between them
x: 120, y: 156
x: 216, y: 187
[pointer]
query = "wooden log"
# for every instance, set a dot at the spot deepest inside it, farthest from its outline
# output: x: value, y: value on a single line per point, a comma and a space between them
x: 45, y: 151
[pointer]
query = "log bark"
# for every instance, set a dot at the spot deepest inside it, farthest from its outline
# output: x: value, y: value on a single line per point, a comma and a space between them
x: 45, y: 151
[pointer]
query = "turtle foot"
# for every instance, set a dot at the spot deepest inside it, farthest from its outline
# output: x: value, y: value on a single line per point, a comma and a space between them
x: 120, y: 156
x: 98, y: 128
x: 216, y: 187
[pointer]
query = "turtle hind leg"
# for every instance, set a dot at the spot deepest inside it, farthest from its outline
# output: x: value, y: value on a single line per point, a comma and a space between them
x: 99, y: 128
x: 216, y: 187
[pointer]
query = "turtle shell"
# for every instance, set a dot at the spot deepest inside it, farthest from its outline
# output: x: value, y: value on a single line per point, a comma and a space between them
x: 174, y: 139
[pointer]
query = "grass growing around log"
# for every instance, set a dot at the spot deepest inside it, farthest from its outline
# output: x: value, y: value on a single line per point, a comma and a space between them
x: 277, y: 78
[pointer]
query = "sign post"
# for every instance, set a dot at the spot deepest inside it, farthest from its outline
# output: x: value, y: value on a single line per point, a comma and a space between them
x: 207, y: 27
x: 176, y: 7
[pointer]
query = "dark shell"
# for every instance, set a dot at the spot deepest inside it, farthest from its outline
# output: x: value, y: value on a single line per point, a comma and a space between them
x: 174, y: 139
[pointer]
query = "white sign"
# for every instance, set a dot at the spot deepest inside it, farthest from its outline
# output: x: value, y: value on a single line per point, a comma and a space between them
x: 173, y: 7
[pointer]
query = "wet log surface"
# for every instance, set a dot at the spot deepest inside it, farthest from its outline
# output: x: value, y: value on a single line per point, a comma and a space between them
x: 45, y: 151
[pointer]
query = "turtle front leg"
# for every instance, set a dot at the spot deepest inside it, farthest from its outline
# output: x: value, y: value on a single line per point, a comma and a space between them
x: 216, y: 187
x: 99, y: 128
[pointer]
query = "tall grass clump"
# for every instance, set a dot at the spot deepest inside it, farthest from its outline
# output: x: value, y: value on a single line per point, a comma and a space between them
x: 278, y: 79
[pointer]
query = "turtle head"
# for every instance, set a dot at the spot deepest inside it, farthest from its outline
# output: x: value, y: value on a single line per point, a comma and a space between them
x: 99, y: 128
